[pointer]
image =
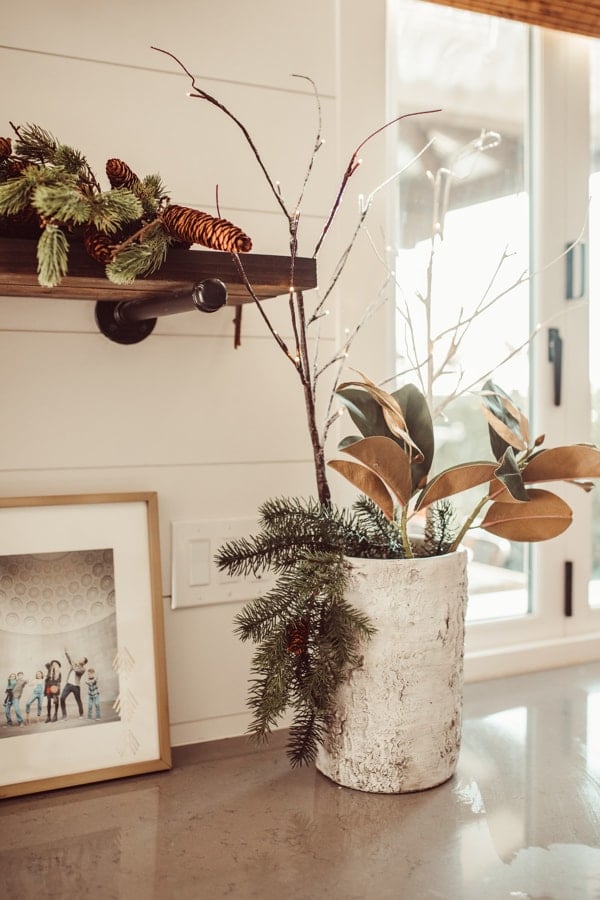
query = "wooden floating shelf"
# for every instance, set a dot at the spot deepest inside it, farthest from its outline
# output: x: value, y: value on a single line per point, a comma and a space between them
x: 183, y: 269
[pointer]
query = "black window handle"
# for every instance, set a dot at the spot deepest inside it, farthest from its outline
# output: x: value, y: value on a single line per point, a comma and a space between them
x: 555, y: 343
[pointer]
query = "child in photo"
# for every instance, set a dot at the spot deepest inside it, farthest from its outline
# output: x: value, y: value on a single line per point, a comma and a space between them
x: 17, y: 693
x: 93, y: 693
x: 8, y: 697
x: 37, y: 694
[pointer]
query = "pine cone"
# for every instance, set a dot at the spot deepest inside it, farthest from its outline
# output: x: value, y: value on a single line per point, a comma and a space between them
x: 120, y: 175
x: 5, y: 147
x: 297, y: 637
x: 195, y: 227
x: 98, y: 245
x: 16, y: 166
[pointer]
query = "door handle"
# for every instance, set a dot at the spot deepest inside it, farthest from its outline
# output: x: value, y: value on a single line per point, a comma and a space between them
x: 555, y: 343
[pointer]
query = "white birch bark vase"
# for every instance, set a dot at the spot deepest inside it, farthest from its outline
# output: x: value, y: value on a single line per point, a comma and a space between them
x: 396, y: 724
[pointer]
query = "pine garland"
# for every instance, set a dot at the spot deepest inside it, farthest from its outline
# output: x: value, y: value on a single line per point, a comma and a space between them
x: 306, y: 634
x: 45, y: 184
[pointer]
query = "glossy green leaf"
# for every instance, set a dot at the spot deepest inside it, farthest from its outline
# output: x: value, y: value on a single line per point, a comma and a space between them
x: 545, y: 516
x: 364, y: 410
x: 367, y: 483
x: 351, y: 439
x: 394, y: 423
x: 508, y: 427
x: 509, y: 474
x: 420, y: 427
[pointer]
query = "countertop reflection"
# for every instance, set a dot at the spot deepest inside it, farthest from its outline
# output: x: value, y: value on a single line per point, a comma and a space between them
x: 520, y: 819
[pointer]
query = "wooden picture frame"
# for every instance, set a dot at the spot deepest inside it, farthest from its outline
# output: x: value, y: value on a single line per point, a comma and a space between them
x: 82, y: 659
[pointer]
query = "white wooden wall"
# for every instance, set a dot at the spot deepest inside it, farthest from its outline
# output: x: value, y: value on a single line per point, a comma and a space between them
x: 213, y: 430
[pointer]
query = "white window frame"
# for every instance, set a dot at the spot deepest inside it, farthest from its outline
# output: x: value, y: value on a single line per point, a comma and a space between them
x: 559, y: 160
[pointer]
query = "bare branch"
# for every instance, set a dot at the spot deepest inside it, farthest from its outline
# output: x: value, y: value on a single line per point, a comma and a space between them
x: 201, y: 94
x: 366, y: 206
x: 318, y: 140
x: 352, y: 167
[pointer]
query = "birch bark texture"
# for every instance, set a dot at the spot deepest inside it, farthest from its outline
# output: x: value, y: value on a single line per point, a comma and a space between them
x: 396, y: 720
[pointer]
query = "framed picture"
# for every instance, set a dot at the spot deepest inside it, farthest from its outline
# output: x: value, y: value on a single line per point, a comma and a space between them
x: 82, y: 664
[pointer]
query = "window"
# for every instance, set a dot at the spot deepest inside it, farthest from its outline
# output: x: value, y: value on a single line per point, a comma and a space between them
x: 504, y: 205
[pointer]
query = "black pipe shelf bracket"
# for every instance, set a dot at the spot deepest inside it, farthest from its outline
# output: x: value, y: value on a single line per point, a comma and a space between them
x: 131, y: 321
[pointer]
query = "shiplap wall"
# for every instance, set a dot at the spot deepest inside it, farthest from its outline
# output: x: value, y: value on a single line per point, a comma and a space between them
x: 213, y: 430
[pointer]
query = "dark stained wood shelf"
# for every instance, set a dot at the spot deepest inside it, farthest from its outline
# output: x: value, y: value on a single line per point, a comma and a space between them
x: 268, y: 275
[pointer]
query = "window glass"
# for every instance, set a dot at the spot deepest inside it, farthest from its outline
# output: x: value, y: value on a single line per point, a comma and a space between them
x: 463, y: 246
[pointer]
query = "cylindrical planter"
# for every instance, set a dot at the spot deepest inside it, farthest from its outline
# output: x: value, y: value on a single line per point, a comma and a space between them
x: 396, y: 721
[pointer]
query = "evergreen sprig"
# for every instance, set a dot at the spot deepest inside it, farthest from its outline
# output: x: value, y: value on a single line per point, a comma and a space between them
x: 52, y: 256
x: 62, y: 202
x: 14, y: 195
x: 306, y: 634
x: 39, y: 146
x: 108, y: 211
x: 141, y: 258
x: 440, y: 529
x: 152, y: 194
x: 36, y: 144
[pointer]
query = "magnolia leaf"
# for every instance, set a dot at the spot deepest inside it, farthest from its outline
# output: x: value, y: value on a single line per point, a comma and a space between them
x: 508, y: 436
x: 351, y: 439
x: 420, y: 427
x: 563, y: 464
x: 364, y: 410
x: 455, y: 480
x: 388, y: 461
x: 500, y: 493
x: 390, y: 409
x: 504, y: 427
x: 509, y: 474
x: 545, y: 516
x: 367, y: 483
x: 519, y: 416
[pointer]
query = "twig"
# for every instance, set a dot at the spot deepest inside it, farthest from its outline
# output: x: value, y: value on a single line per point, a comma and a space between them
x: 283, y: 346
x: 137, y: 235
x: 366, y: 206
x: 352, y: 167
x: 201, y: 94
x: 318, y: 140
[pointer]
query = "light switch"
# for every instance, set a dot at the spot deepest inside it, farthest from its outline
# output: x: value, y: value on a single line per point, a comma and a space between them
x: 199, y: 560
x: 195, y: 578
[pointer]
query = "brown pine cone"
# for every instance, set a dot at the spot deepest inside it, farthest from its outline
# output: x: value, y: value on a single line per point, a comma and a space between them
x: 120, y: 175
x: 98, y: 245
x: 195, y: 227
x: 5, y: 147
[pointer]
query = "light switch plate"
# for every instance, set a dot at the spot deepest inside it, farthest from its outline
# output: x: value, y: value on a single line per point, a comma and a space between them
x: 195, y: 578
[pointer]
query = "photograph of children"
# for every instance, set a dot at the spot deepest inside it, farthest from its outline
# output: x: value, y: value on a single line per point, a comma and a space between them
x: 58, y: 640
